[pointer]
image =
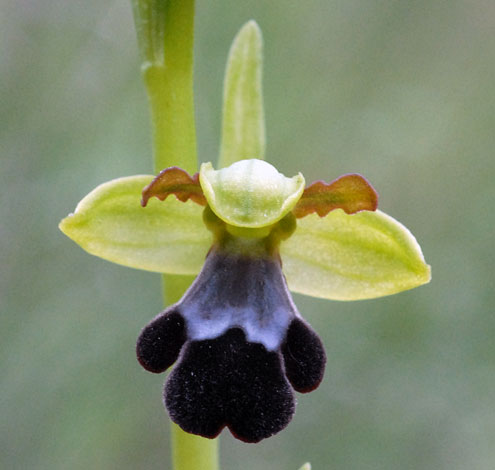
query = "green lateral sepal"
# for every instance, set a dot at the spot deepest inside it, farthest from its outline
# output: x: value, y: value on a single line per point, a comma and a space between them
x: 167, y: 237
x: 352, y: 257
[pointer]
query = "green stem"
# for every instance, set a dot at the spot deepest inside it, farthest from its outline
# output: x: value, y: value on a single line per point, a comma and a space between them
x: 193, y: 451
x: 165, y: 31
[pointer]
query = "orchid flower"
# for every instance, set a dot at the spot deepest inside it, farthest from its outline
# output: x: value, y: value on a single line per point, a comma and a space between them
x: 251, y: 235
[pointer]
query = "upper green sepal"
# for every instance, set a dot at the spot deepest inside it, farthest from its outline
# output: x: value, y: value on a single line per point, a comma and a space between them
x: 167, y: 237
x: 250, y: 193
x: 352, y: 257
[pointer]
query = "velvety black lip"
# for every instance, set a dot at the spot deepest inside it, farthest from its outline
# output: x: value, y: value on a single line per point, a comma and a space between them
x: 229, y: 382
x: 241, y: 349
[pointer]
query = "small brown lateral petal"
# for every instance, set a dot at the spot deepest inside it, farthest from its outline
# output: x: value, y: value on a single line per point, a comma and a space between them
x: 174, y: 180
x: 352, y: 193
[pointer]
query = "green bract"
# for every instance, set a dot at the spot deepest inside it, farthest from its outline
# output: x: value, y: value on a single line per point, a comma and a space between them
x: 250, y: 193
x: 243, y: 124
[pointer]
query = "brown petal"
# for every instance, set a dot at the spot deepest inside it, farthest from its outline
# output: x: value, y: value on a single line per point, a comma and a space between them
x: 352, y: 193
x: 174, y: 180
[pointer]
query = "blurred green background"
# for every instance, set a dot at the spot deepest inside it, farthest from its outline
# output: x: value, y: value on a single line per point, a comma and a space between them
x: 402, y: 92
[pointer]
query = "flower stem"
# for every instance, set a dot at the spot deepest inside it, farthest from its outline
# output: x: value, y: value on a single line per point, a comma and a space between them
x: 193, y: 452
x: 165, y: 31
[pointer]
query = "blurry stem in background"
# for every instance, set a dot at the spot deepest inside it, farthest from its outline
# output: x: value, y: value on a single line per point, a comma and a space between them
x: 165, y: 31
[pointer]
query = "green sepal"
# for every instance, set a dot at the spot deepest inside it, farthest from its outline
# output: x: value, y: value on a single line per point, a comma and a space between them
x: 352, y: 257
x: 306, y: 466
x: 243, y: 118
x: 250, y: 193
x: 167, y: 237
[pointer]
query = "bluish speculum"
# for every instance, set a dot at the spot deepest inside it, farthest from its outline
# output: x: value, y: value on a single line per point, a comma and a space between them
x: 241, y: 285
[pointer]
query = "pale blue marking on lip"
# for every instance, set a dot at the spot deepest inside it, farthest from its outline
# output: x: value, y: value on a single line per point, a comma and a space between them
x: 234, y: 290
